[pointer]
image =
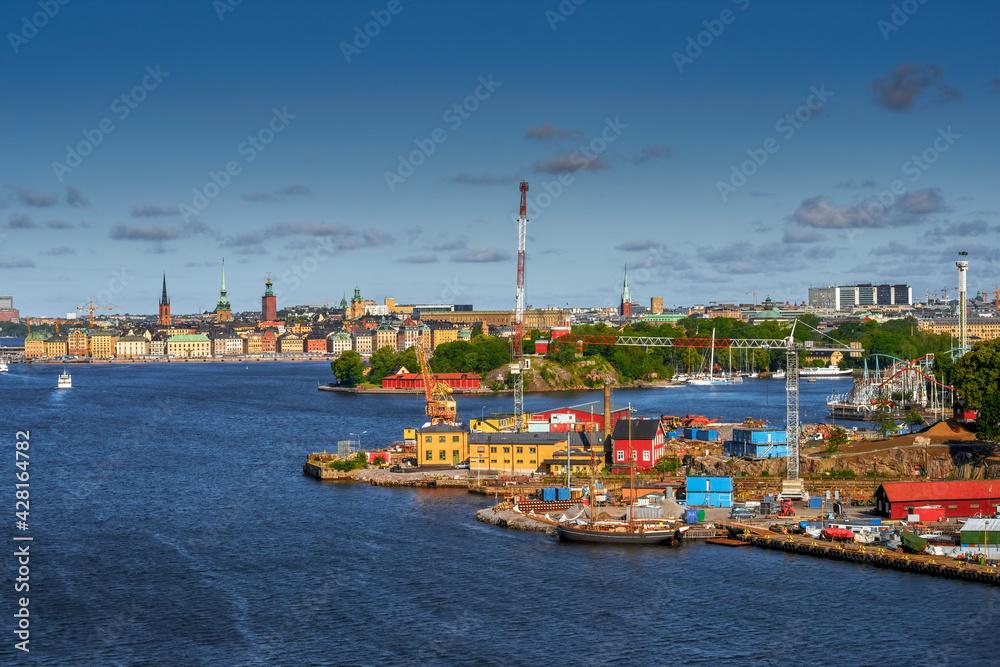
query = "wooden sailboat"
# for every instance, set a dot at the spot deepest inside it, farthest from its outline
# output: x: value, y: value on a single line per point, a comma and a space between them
x: 632, y: 531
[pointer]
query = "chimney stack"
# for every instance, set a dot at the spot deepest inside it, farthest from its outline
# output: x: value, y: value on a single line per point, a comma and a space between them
x: 607, y: 411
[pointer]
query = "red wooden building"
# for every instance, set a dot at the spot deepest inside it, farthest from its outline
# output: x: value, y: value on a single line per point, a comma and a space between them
x: 416, y: 380
x: 646, y: 444
x: 578, y: 417
x: 959, y: 498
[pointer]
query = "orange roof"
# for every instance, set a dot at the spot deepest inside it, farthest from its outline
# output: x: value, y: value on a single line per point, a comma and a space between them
x: 903, y: 492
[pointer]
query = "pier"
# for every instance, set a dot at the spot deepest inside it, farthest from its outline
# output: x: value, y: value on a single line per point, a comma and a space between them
x: 863, y: 554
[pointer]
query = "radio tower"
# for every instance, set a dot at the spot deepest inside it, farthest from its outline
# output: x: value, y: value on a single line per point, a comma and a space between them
x: 517, y: 366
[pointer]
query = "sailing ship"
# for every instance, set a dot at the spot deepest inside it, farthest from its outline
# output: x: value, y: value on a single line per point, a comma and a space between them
x: 630, y: 531
x: 711, y: 379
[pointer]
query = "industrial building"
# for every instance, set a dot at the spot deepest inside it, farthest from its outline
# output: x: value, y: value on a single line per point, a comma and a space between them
x: 959, y: 498
x: 710, y: 491
x: 756, y: 443
x: 645, y: 438
x: 581, y: 417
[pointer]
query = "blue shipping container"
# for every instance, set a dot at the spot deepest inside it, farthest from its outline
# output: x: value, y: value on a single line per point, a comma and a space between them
x: 815, y: 502
x: 548, y: 494
x: 562, y: 494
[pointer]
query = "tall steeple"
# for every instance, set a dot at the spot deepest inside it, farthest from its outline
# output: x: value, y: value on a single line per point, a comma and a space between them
x: 223, y: 311
x: 164, y: 318
x: 268, y: 304
x: 625, y: 309
x: 164, y: 300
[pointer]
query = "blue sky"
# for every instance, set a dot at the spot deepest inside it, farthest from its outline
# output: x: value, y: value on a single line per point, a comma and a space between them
x: 661, y: 134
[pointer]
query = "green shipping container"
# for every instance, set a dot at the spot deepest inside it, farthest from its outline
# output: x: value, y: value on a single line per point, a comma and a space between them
x: 701, y: 515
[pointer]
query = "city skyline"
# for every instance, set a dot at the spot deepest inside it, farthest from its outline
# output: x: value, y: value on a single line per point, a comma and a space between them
x: 717, y: 150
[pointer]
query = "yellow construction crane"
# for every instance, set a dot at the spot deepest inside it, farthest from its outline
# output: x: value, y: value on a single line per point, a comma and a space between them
x: 754, y: 294
x: 440, y: 405
x: 91, y: 307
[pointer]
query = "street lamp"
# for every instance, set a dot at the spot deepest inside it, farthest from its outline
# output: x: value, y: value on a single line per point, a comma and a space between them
x: 359, y: 438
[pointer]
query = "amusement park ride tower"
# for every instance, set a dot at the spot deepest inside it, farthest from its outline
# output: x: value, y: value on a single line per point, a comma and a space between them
x: 963, y: 267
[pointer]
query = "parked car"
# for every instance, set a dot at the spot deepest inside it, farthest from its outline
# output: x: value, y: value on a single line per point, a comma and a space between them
x: 742, y: 513
x: 464, y: 465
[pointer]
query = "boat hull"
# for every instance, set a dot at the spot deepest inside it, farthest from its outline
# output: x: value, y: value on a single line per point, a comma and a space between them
x: 580, y: 534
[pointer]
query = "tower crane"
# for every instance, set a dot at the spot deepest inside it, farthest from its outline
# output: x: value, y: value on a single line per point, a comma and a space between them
x: 517, y: 360
x: 91, y: 307
x: 440, y: 405
x: 792, y: 485
x: 996, y: 297
x: 754, y: 294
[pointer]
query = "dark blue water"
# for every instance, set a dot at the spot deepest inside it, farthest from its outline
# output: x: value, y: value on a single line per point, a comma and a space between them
x: 173, y: 526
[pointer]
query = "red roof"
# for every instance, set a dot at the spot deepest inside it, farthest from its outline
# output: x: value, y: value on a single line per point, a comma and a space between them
x: 439, y: 376
x: 904, y: 492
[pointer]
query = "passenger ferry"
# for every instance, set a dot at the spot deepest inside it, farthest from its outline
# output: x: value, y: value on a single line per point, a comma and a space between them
x: 65, y: 381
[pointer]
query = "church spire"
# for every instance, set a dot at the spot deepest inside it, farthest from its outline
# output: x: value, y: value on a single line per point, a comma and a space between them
x: 164, y: 300
x: 626, y: 306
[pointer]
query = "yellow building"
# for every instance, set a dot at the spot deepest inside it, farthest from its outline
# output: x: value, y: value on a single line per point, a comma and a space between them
x: 102, y: 345
x: 533, y: 319
x: 981, y: 328
x: 495, y: 423
x: 56, y: 346
x: 186, y: 346
x: 131, y: 346
x: 442, y: 445
x: 253, y: 343
x: 78, y: 343
x: 442, y: 333
x: 518, y: 453
x: 363, y: 341
x: 34, y: 346
x: 579, y: 462
x: 386, y: 336
x: 289, y: 343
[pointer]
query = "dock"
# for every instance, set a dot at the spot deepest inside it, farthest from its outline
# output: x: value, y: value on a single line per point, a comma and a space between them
x: 943, y: 566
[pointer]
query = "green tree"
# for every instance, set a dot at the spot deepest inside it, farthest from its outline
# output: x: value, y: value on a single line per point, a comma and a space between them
x: 667, y: 464
x: 563, y: 351
x: 382, y: 363
x: 977, y: 373
x: 988, y: 422
x: 837, y: 439
x: 348, y: 368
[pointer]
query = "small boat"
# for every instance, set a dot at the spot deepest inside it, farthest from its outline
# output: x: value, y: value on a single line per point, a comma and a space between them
x: 65, y: 381
x: 3, y: 367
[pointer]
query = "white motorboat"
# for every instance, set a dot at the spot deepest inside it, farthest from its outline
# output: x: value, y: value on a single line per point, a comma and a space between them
x: 65, y: 381
x: 3, y: 367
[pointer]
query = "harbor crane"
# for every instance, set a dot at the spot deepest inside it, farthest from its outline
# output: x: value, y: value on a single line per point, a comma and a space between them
x: 91, y: 307
x: 517, y: 365
x: 792, y: 486
x: 440, y: 404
